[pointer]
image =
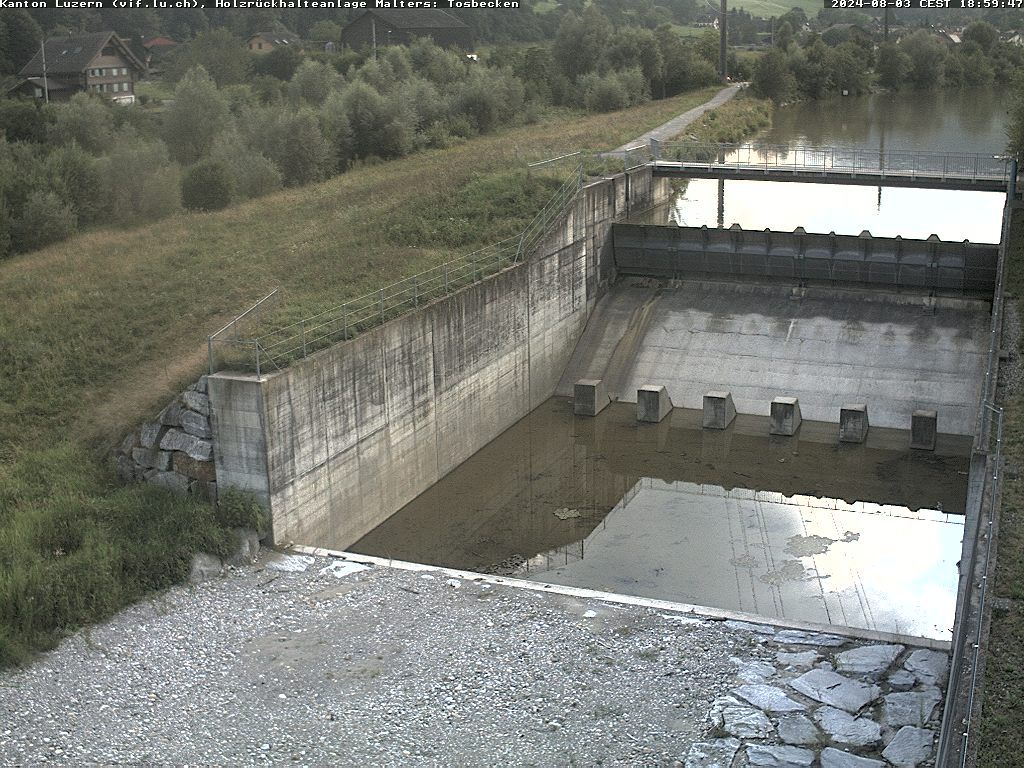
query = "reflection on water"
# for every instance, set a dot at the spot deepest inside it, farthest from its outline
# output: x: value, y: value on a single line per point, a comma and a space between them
x: 648, y: 509
x: 935, y: 121
x: 967, y: 120
x: 823, y: 208
x: 812, y: 559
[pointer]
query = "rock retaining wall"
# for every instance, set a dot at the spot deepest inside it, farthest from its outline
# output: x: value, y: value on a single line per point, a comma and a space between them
x: 176, y: 450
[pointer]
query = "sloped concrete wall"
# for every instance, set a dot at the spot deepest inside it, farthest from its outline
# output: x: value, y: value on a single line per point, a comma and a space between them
x: 354, y: 432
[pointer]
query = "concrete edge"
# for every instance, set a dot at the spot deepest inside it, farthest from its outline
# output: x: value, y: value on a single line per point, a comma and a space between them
x: 705, y: 612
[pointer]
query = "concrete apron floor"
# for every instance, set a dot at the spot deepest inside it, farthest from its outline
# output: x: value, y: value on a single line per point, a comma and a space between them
x: 345, y: 661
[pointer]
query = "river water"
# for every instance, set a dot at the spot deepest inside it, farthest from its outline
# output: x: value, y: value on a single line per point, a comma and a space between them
x: 802, y: 528
x: 940, y: 121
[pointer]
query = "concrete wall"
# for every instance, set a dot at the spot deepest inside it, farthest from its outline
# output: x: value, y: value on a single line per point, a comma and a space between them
x: 343, y: 439
x: 879, y: 262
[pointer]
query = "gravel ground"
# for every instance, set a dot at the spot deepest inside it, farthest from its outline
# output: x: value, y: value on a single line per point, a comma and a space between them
x: 375, y: 667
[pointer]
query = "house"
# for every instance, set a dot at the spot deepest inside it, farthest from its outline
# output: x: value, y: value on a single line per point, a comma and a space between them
x: 265, y: 42
x: 99, y: 62
x: 1015, y: 38
x: 380, y: 27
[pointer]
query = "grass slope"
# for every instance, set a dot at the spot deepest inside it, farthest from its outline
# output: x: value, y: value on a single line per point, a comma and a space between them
x: 768, y: 8
x: 98, y: 332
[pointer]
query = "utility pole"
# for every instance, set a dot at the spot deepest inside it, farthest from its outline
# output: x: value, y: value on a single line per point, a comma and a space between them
x: 722, y: 24
x: 46, y: 85
x: 885, y: 27
x: 373, y: 25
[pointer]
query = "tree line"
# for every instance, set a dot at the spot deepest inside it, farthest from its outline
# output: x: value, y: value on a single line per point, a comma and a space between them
x: 237, y: 129
x: 812, y: 68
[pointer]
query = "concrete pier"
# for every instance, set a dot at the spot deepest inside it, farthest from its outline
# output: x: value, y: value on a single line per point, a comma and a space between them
x: 652, y: 403
x: 719, y: 410
x: 589, y: 397
x: 853, y: 423
x: 785, y: 416
x: 923, y: 430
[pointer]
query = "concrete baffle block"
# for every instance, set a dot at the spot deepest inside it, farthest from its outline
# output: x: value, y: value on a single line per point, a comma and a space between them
x: 652, y: 403
x: 719, y: 410
x: 785, y: 416
x: 853, y: 423
x: 923, y: 430
x: 589, y: 397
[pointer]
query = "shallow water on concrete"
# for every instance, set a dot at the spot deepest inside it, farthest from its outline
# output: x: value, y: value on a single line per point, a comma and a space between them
x: 803, y: 528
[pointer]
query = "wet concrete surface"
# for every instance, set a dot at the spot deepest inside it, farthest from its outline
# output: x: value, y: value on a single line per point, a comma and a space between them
x: 801, y: 527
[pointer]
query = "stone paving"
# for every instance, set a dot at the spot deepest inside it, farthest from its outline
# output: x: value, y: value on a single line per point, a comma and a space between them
x: 825, y: 700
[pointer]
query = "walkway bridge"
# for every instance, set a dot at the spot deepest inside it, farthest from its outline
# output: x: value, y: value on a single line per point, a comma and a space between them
x: 828, y: 165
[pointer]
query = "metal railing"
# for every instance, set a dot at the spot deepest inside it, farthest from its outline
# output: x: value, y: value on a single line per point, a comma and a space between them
x: 247, y: 344
x: 959, y: 718
x: 894, y: 162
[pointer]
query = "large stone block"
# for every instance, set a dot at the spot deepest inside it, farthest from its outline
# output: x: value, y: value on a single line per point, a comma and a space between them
x: 152, y: 458
x: 197, y: 448
x: 652, y: 403
x: 785, y: 416
x: 923, y: 430
x: 853, y: 423
x: 151, y: 434
x: 196, y: 401
x: 589, y: 397
x: 195, y: 424
x: 719, y: 410
x: 171, y: 415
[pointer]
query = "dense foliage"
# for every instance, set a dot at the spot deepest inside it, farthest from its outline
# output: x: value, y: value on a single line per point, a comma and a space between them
x: 232, y: 130
x: 846, y: 60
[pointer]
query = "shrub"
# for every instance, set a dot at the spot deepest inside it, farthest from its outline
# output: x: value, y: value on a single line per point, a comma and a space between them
x: 252, y: 174
x: 206, y: 186
x: 199, y: 113
x: 603, y: 94
x: 44, y: 219
x: 85, y: 120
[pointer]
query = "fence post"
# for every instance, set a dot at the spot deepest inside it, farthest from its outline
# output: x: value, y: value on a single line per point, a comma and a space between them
x: 382, y: 305
x: 209, y: 353
x: 344, y: 321
x: 256, y: 347
x: 303, y: 337
x: 415, y: 293
x: 446, y: 278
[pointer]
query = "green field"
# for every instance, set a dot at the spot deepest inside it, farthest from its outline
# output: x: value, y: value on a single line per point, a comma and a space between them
x: 768, y: 8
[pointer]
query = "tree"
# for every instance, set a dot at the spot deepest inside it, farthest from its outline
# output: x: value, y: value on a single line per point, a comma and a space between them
x: 1015, y: 126
x: 892, y: 65
x: 140, y: 182
x: 22, y: 120
x: 324, y: 31
x: 85, y: 120
x: 772, y: 78
x: 44, y: 219
x: 20, y: 39
x: 199, y: 113
x: 337, y: 130
x: 280, y: 62
x: 206, y: 186
x: 982, y: 33
x: 635, y: 47
x: 293, y: 141
x: 75, y: 176
x: 926, y: 58
x: 847, y: 70
x: 580, y: 42
x: 252, y: 173
x: 218, y: 52
x: 313, y: 82
x: 5, y: 229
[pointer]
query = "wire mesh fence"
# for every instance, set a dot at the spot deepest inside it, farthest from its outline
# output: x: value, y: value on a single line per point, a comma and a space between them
x: 251, y: 343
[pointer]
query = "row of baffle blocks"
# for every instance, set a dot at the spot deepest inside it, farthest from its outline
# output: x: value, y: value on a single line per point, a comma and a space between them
x: 653, y: 404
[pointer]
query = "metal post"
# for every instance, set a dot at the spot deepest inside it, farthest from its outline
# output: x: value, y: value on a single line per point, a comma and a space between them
x: 256, y: 346
x: 446, y: 278
x: 303, y: 337
x: 344, y: 321
x: 415, y: 293
x: 1012, y: 186
x: 209, y: 353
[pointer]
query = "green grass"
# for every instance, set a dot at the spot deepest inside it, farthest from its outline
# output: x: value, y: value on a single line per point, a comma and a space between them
x: 734, y: 121
x: 100, y: 331
x: 1001, y: 740
x: 768, y: 8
